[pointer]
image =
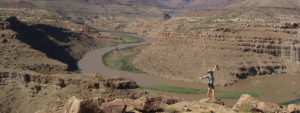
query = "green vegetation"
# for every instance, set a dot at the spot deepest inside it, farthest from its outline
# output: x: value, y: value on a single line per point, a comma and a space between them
x: 182, y: 90
x: 297, y: 94
x: 126, y: 63
x: 105, y: 58
x: 175, y: 89
x: 122, y: 61
x: 127, y: 38
x: 77, y: 71
x: 236, y: 95
x: 123, y: 36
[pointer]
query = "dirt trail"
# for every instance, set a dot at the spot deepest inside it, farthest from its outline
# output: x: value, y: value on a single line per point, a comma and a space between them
x: 277, y: 88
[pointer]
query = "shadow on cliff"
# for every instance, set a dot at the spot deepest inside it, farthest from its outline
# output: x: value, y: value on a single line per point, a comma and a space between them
x: 40, y: 37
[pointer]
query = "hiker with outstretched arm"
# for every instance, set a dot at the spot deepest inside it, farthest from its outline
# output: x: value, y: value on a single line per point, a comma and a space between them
x: 210, y: 77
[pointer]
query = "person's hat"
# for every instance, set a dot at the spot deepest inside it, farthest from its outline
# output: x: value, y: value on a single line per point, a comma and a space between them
x: 209, y: 71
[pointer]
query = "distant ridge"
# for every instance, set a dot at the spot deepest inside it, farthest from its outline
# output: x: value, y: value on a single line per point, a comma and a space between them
x: 187, y: 4
x: 267, y: 3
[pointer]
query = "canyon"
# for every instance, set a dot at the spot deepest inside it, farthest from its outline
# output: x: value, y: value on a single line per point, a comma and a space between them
x: 252, y: 41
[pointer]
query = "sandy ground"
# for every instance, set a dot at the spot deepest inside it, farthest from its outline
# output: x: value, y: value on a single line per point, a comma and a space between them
x: 277, y: 88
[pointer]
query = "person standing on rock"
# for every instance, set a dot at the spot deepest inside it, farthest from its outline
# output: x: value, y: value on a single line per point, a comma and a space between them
x: 210, y: 77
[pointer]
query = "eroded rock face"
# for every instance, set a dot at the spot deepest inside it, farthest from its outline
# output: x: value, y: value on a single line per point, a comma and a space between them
x: 4, y: 26
x: 120, y: 84
x: 240, y: 51
x: 55, y: 89
x: 167, y: 100
x: 290, y: 26
x: 246, y: 103
x: 51, y: 47
x: 101, y: 81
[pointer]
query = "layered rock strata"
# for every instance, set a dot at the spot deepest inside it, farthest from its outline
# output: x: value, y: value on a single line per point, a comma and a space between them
x: 240, y: 51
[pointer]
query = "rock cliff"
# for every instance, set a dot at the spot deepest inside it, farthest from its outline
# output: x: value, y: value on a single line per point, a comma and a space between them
x: 45, y: 48
x: 240, y: 51
x: 20, y: 91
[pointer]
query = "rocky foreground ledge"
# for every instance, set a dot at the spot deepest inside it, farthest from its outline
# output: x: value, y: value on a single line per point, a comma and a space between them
x: 30, y: 92
x: 145, y: 104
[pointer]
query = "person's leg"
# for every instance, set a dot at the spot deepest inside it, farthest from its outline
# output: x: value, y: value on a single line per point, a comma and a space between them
x: 208, y: 93
x: 213, y: 94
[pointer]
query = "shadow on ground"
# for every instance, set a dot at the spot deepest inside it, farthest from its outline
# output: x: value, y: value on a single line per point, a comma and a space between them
x: 47, y: 39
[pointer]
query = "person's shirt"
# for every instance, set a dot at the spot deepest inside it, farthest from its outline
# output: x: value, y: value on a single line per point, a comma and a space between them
x: 210, y: 78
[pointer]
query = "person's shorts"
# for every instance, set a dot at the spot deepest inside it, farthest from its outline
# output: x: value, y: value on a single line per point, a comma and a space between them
x: 211, y: 85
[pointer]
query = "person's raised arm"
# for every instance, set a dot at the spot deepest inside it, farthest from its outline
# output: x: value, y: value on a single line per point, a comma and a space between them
x: 215, y: 68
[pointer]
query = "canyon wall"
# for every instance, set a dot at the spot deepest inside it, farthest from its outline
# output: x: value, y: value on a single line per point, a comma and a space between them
x: 240, y: 51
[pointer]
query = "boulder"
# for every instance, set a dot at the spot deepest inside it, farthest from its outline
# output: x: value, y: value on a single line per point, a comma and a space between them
x: 294, y: 108
x: 121, y: 84
x: 183, y: 107
x: 72, y: 106
x: 169, y: 100
x: 148, y: 104
x: 202, y: 106
x: 116, y: 106
x: 246, y: 103
x: 91, y: 106
x: 217, y: 101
